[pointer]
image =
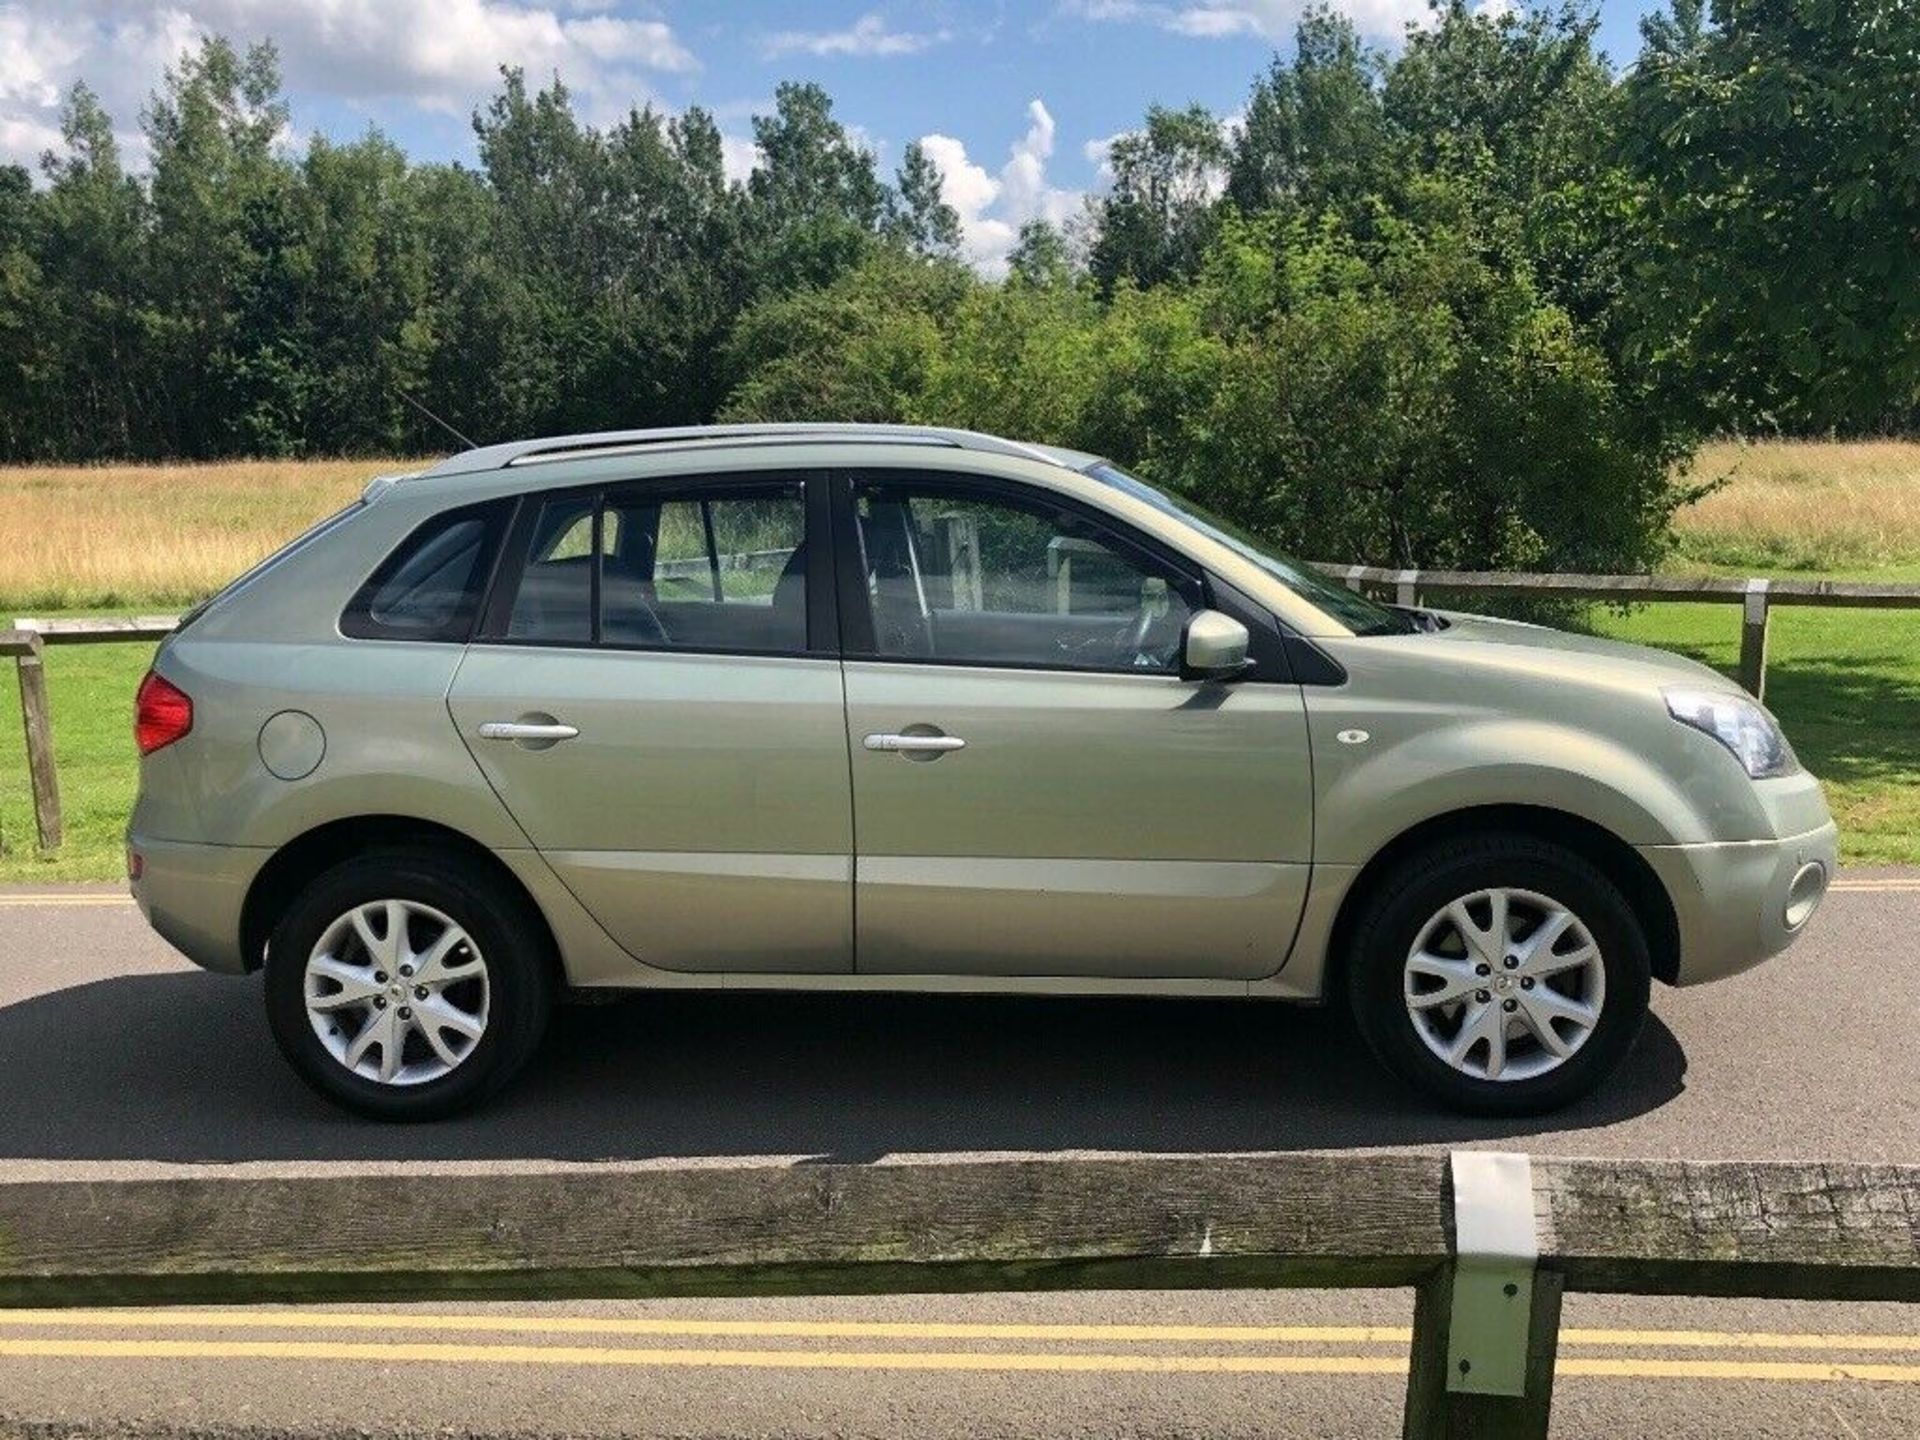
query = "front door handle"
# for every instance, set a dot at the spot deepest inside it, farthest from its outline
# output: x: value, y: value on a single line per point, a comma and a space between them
x: 526, y: 730
x: 915, y: 744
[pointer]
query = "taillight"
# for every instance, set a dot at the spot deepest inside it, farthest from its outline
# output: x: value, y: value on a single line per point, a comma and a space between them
x: 162, y: 713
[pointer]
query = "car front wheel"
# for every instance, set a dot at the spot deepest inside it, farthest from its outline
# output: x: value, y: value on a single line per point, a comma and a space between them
x: 405, y: 986
x: 1502, y: 975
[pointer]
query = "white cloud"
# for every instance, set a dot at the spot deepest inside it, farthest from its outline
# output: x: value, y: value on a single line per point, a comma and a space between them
x: 739, y: 156
x: 439, y: 55
x: 869, y: 36
x: 1099, y: 153
x: 1273, y: 20
x: 991, y: 207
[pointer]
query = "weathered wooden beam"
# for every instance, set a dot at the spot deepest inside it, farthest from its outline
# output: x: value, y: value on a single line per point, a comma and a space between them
x: 1753, y: 640
x: 25, y: 647
x: 1798, y: 1231
x: 1209, y: 1223
x: 1780, y: 1231
x: 107, y: 630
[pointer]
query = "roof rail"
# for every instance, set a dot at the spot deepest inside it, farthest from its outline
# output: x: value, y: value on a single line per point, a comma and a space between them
x: 558, y: 448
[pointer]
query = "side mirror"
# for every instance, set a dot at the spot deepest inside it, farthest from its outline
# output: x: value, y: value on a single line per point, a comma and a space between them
x: 1214, y: 648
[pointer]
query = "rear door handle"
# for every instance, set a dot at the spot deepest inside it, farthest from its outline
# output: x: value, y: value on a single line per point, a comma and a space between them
x: 526, y: 730
x: 915, y: 744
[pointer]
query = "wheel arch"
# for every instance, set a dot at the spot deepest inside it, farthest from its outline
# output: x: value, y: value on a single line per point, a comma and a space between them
x: 300, y: 859
x: 1607, y: 852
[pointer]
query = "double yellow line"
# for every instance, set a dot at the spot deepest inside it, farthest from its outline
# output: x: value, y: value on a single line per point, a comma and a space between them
x: 574, y: 1328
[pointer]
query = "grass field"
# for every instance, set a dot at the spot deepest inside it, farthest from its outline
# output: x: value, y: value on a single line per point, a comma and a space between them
x: 1845, y: 683
x: 74, y: 538
x: 1801, y: 505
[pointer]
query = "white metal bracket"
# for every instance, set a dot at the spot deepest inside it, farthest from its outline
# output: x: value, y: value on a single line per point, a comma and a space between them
x: 1495, y: 1251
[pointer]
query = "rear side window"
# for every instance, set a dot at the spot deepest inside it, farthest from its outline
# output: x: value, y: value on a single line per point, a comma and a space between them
x: 430, y: 588
x: 719, y: 566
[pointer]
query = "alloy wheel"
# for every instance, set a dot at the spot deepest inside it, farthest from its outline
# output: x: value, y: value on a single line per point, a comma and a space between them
x: 397, y: 992
x: 1505, y: 984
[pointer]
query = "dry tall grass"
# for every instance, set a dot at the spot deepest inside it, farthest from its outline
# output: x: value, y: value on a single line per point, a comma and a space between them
x: 164, y: 535
x: 1807, y: 505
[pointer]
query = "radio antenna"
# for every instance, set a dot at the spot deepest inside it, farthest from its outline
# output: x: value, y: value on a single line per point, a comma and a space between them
x: 435, y: 418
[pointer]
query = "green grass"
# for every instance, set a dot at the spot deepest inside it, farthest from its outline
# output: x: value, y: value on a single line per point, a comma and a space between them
x: 90, y: 695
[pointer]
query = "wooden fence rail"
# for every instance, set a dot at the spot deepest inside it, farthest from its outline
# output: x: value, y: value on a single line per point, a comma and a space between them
x: 1482, y: 1358
x: 1757, y: 597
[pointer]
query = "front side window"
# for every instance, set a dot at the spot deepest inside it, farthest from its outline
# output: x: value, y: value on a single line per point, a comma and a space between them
x: 720, y: 567
x: 991, y: 579
x: 1357, y: 612
x: 429, y: 589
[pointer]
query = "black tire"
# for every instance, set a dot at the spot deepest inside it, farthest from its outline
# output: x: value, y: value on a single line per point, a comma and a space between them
x: 1416, y: 890
x: 512, y: 941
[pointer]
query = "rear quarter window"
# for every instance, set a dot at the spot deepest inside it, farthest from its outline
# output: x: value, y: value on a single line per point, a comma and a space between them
x: 431, y: 586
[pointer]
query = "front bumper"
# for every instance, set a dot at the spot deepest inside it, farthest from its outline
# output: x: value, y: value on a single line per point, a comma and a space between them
x: 1741, y: 902
x: 193, y: 895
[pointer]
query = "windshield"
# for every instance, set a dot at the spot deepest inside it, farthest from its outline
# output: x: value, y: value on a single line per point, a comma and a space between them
x: 1355, y: 611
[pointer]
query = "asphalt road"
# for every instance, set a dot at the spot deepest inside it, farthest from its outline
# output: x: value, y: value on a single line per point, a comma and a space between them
x: 117, y: 1058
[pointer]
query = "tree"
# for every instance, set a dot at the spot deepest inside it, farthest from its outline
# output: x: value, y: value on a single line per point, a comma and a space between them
x: 1157, y: 219
x: 860, y: 349
x: 1404, y: 400
x: 360, y: 274
x: 1040, y: 256
x: 1315, y: 133
x: 96, y: 381
x: 817, y: 203
x: 222, y: 234
x: 918, y: 217
x: 1781, y: 171
x: 21, y: 296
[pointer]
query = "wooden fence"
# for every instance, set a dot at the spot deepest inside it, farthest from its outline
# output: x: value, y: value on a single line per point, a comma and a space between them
x: 1488, y: 1243
x: 1756, y: 597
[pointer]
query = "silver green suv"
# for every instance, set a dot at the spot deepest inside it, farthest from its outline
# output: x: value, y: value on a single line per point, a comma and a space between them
x: 874, y: 708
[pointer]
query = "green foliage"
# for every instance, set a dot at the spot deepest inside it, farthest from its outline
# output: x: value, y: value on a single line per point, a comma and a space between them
x: 1156, y: 221
x: 858, y: 350
x: 1315, y: 133
x: 918, y: 218
x: 1779, y: 149
x: 1465, y: 302
x: 1393, y: 400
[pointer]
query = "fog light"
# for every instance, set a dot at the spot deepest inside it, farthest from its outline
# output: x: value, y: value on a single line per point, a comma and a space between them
x: 1804, y: 895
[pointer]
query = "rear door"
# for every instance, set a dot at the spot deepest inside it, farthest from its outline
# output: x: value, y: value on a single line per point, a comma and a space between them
x: 1036, y: 790
x: 656, y: 697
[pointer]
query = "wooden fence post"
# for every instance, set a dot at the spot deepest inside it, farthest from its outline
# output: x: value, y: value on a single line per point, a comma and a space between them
x: 25, y: 647
x: 1433, y: 1413
x: 1753, y: 639
x: 1486, y: 1327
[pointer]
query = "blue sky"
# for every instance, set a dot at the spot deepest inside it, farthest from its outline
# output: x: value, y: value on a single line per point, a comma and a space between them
x: 1015, y: 100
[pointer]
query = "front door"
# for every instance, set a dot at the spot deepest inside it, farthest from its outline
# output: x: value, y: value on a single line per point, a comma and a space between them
x: 657, y: 701
x: 1036, y: 791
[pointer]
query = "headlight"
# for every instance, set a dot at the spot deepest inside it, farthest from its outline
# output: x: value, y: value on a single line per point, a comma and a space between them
x: 1739, y: 724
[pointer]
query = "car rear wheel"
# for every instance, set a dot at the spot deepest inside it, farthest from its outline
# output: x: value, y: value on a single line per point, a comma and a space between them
x: 405, y: 986
x: 1502, y: 975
